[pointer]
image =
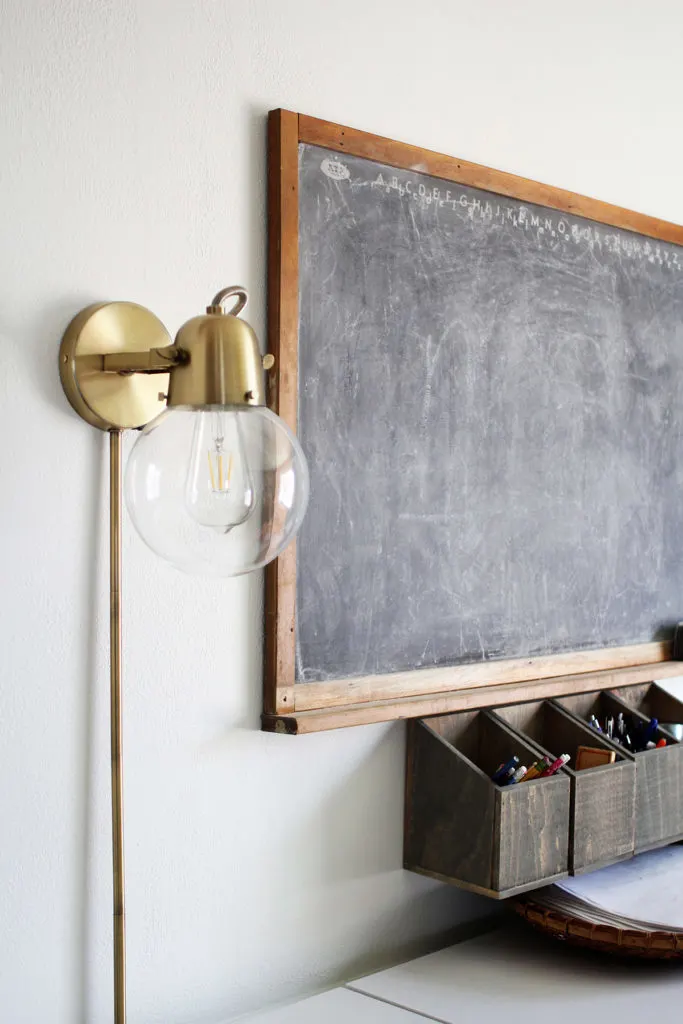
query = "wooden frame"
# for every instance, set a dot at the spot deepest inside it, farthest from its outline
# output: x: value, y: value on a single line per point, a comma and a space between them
x: 307, y: 707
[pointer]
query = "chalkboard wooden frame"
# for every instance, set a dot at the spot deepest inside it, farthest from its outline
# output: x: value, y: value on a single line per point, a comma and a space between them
x: 305, y: 707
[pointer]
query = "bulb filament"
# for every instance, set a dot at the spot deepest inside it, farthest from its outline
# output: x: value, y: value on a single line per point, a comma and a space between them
x: 224, y: 477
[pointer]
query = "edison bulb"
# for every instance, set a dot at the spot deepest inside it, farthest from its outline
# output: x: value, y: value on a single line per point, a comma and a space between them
x: 218, y: 491
x: 220, y: 488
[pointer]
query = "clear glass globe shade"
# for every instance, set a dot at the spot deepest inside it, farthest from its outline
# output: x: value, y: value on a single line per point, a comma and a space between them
x: 218, y: 491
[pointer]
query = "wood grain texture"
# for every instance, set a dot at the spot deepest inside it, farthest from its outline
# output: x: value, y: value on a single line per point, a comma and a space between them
x: 659, y: 773
x: 533, y: 829
x: 343, y: 139
x: 652, y: 701
x: 583, y: 705
x: 311, y: 696
x: 603, y: 824
x: 532, y: 820
x: 343, y: 717
x: 447, y: 792
x: 283, y: 302
x: 603, y: 798
x: 462, y: 827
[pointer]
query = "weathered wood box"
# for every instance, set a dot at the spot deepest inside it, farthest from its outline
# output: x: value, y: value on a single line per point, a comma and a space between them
x: 659, y: 773
x: 603, y: 806
x: 503, y: 840
x: 463, y: 828
x: 652, y: 700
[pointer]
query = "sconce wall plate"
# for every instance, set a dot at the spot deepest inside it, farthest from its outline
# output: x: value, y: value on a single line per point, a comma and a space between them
x: 113, y: 401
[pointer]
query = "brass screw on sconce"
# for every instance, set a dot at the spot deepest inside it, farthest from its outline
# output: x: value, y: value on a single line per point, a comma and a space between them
x: 216, y: 483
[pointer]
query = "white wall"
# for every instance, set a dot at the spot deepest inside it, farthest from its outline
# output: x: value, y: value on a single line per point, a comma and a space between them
x: 132, y: 166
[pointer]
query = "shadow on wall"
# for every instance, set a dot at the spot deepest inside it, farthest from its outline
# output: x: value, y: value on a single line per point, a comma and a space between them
x: 318, y: 848
x: 362, y: 845
x: 350, y: 849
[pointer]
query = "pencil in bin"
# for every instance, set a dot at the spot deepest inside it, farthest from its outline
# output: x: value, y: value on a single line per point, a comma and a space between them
x: 537, y: 769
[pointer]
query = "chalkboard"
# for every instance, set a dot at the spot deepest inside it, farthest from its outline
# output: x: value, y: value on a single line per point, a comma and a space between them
x: 490, y: 397
x: 491, y: 402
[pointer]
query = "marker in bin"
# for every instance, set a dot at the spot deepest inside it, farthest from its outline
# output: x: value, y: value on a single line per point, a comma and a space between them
x: 562, y: 760
x: 630, y: 731
x: 505, y: 771
x: 648, y: 733
x: 511, y: 772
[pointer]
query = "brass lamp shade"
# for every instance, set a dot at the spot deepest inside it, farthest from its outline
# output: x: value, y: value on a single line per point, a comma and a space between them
x: 222, y: 363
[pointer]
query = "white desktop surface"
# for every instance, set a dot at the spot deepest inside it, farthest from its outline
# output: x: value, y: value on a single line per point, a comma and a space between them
x: 515, y: 976
x: 340, y: 1006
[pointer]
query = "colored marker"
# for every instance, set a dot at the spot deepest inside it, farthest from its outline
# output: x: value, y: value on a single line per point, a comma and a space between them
x: 519, y: 775
x: 508, y: 769
x: 556, y: 765
x: 645, y: 734
x: 650, y: 730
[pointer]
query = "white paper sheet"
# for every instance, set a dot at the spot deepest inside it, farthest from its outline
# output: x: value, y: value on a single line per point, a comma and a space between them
x: 647, y: 889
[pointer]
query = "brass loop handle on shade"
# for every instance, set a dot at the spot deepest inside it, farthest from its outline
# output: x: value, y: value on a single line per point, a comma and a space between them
x: 217, y: 303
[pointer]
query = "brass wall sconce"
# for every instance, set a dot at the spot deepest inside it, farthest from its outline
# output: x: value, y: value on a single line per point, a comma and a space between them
x: 216, y: 483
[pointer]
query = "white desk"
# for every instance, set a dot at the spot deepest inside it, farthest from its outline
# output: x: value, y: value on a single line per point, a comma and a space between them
x: 340, y: 1006
x: 514, y: 976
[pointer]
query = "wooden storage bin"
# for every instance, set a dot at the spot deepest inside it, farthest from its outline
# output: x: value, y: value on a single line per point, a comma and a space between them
x: 602, y: 817
x: 659, y: 773
x: 651, y: 700
x: 461, y: 827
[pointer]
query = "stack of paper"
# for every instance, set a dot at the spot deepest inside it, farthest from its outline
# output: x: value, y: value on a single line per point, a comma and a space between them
x: 644, y: 893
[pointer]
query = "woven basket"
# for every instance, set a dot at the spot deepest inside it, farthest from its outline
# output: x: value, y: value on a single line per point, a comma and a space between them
x: 604, y: 938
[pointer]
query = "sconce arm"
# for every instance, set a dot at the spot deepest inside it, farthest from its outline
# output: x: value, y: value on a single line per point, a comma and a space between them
x: 153, y: 360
